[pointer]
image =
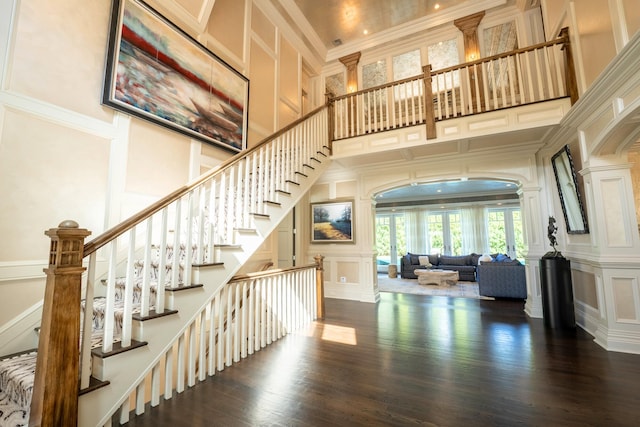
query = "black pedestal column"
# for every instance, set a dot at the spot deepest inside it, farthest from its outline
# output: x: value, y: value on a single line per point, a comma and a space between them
x: 557, y: 291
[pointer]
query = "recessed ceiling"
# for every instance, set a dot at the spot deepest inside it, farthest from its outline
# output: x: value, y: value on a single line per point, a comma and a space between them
x: 338, y: 22
x: 347, y: 20
x: 478, y: 189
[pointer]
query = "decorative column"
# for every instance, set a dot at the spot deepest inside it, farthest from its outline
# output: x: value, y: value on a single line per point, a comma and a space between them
x: 351, y: 62
x: 55, y: 391
x: 535, y: 213
x: 469, y: 27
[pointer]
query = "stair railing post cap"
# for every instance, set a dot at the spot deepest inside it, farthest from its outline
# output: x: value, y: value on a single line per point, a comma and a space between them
x: 69, y: 223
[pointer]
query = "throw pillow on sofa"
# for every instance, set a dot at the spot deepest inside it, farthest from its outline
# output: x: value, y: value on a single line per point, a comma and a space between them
x: 502, y: 258
x: 424, y: 261
x: 485, y: 258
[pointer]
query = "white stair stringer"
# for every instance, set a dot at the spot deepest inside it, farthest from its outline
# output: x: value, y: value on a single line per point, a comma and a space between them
x: 127, y: 370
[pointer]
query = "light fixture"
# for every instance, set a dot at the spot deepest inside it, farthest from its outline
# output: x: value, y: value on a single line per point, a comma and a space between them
x: 436, y: 6
x: 365, y: 32
x: 438, y: 190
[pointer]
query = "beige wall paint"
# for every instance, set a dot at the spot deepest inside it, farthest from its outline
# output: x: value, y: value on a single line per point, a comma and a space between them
x: 22, y: 294
x: 48, y: 174
x: 596, y: 35
x: 632, y: 14
x: 52, y: 63
x: 263, y: 28
x: 584, y: 288
x: 262, y: 93
x: 227, y: 25
x: 289, y: 75
x: 169, y: 168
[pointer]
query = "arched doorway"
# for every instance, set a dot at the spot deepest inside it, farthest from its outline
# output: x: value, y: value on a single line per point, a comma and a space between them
x: 449, y: 218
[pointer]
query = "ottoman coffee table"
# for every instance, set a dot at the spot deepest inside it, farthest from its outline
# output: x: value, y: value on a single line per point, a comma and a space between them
x: 437, y: 277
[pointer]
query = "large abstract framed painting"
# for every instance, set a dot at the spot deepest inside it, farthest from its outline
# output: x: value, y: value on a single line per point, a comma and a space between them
x: 157, y: 72
x: 570, y: 198
x: 332, y: 222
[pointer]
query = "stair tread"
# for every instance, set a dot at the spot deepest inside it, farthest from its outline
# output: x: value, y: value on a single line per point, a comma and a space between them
x: 118, y: 348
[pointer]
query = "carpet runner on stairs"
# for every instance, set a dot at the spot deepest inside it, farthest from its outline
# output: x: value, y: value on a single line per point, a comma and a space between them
x: 17, y: 375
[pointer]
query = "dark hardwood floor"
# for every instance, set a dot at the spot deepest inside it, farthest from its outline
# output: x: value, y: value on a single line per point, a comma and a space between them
x: 418, y: 360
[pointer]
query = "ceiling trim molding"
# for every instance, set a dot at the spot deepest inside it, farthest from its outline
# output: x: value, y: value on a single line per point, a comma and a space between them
x: 424, y: 23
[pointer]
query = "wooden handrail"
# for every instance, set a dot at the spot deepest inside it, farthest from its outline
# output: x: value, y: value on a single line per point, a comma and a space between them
x: 500, y: 56
x: 104, y: 238
x: 268, y: 273
x: 319, y: 267
x: 559, y: 40
x: 382, y: 86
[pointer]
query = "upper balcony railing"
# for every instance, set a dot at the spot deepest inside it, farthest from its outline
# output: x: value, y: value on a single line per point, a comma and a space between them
x: 541, y: 72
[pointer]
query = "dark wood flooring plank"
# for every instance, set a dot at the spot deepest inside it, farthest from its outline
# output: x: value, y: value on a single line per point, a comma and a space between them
x: 418, y: 360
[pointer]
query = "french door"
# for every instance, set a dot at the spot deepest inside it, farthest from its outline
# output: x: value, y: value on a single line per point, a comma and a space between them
x: 445, y: 232
x: 505, y: 232
x: 390, y: 237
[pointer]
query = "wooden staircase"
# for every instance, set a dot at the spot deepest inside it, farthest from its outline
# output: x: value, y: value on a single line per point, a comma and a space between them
x: 161, y: 323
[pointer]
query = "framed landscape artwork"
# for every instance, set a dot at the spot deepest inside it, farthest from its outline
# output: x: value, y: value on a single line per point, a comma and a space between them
x: 157, y: 72
x: 332, y: 222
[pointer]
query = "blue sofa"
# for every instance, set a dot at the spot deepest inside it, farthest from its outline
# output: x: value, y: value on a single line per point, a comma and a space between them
x: 465, y: 265
x: 502, y: 279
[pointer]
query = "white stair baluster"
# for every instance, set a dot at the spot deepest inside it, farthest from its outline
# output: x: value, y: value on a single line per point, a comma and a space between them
x: 162, y: 261
x: 87, y: 324
x: 107, y: 340
x: 168, y: 374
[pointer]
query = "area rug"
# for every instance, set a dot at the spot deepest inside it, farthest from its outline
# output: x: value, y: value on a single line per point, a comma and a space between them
x: 411, y: 286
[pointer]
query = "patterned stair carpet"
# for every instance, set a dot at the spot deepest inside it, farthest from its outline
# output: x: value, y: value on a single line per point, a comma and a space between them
x: 411, y: 286
x: 16, y: 385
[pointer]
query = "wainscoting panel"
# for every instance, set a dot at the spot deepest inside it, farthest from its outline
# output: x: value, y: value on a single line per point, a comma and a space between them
x: 626, y: 299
